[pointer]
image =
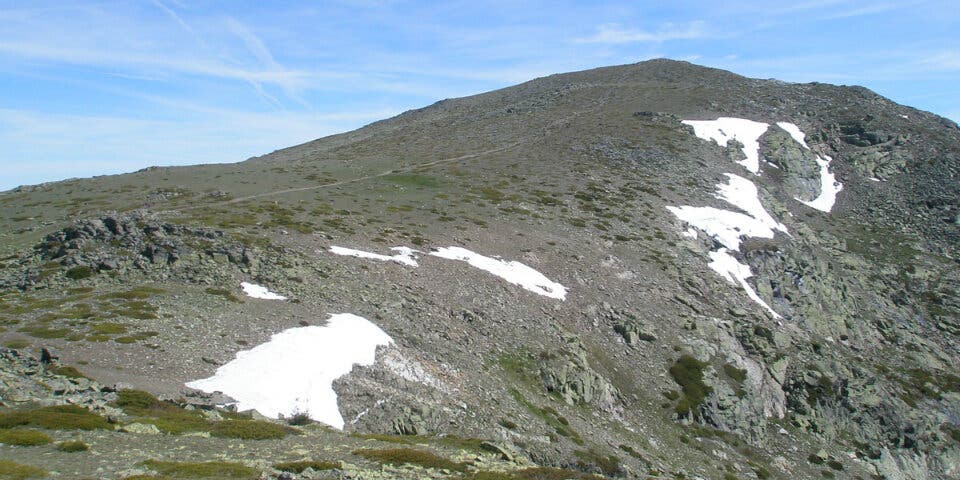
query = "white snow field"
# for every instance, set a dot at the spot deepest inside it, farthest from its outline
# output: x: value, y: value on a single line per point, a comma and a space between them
x: 511, y: 271
x: 404, y: 255
x: 256, y: 291
x: 295, y: 370
x: 829, y: 187
x: 735, y: 272
x: 744, y: 131
x: 794, y: 132
x: 728, y: 226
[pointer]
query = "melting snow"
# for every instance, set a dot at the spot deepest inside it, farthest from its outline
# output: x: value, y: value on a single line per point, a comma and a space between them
x: 724, y: 129
x: 404, y: 255
x: 829, y: 187
x: 724, y: 263
x: 256, y: 291
x: 728, y: 226
x: 511, y: 271
x: 794, y: 132
x: 295, y: 370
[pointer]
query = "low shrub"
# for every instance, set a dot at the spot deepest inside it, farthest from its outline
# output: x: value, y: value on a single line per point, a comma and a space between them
x: 73, y: 446
x: 202, y: 469
x: 24, y: 438
x: 688, y: 373
x: 250, y: 429
x: 16, y: 471
x: 61, y: 417
x: 300, y: 466
x: 136, y: 400
x: 80, y: 272
x: 402, y: 456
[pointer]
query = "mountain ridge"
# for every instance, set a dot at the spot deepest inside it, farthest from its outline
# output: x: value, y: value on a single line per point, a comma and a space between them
x: 654, y: 361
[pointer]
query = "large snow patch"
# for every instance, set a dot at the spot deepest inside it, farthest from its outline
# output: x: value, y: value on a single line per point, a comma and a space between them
x: 295, y: 370
x: 511, y: 271
x: 724, y: 129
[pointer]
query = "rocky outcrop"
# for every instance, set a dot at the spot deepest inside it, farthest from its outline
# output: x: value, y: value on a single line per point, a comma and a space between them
x: 568, y: 374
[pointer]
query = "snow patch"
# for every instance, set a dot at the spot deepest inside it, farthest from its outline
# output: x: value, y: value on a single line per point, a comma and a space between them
x: 794, y: 132
x: 727, y: 226
x: 725, y: 129
x: 829, y: 188
x: 295, y: 370
x: 511, y: 271
x: 404, y: 255
x: 724, y: 263
x: 690, y: 233
x: 256, y: 291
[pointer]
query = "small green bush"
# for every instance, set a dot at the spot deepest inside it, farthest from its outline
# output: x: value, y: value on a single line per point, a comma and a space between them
x: 73, y: 446
x: 250, y: 429
x: 80, y: 272
x: 61, y: 417
x: 688, y: 373
x: 299, y: 467
x: 202, y: 469
x: 736, y: 374
x: 136, y: 399
x: 401, y: 456
x: 15, y: 471
x: 108, y: 328
x: 67, y: 371
x: 24, y: 438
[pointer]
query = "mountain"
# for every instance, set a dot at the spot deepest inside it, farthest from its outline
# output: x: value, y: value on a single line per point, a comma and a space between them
x: 656, y: 270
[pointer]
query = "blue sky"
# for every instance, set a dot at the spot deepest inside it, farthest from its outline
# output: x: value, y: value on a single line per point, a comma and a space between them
x: 96, y: 87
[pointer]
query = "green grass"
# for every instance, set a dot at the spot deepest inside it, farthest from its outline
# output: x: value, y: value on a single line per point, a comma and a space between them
x: 300, y: 466
x: 108, y: 328
x: 17, y: 344
x: 688, y: 373
x: 608, y: 464
x: 202, y: 469
x: 250, y: 429
x: 24, y: 438
x: 16, y: 471
x: 403, y: 456
x: 61, y: 417
x: 137, y: 293
x: 413, y: 180
x: 72, y: 446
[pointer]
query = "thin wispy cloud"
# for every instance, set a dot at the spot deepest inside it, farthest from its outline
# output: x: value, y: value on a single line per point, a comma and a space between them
x: 615, y: 33
x: 104, y: 82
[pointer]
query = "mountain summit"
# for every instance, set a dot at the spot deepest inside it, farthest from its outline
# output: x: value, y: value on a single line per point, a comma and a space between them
x: 656, y: 270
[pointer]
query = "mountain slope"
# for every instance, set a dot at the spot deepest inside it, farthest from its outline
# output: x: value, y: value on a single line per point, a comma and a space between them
x: 713, y: 320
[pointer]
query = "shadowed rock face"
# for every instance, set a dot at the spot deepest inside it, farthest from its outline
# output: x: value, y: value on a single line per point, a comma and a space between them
x: 651, y: 361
